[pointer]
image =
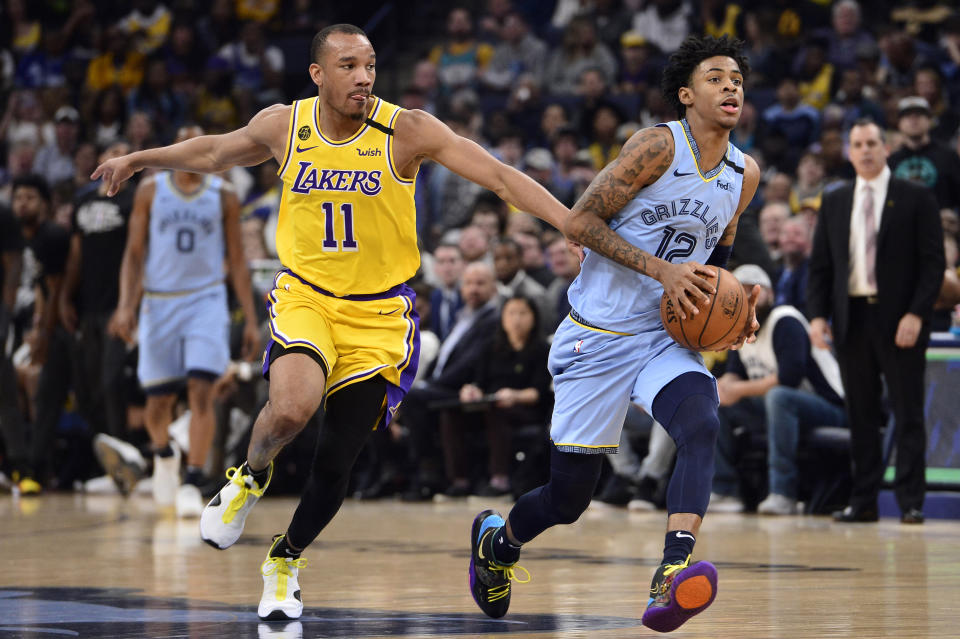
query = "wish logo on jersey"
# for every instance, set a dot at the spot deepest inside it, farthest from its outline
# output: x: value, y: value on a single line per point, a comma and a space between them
x: 310, y: 178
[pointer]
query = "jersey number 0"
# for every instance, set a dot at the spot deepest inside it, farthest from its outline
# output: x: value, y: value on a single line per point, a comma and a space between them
x: 330, y: 242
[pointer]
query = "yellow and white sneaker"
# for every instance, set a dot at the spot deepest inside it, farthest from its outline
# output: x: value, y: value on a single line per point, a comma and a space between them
x: 222, y: 520
x: 292, y: 630
x: 281, y: 591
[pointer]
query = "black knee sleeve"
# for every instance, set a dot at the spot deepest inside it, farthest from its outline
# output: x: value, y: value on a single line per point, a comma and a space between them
x: 573, y: 478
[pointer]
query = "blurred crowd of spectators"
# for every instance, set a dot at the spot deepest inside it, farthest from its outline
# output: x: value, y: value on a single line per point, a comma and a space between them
x: 551, y: 87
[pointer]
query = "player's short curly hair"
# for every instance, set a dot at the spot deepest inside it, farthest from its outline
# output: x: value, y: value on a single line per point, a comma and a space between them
x: 692, y: 52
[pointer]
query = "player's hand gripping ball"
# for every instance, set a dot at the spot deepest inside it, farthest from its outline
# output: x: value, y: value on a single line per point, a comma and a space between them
x: 719, y: 322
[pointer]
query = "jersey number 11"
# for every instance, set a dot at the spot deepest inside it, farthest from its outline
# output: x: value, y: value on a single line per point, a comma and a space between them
x: 330, y: 242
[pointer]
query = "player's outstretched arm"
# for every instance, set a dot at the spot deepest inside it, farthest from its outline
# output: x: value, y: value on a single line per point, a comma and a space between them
x: 424, y: 136
x: 262, y: 138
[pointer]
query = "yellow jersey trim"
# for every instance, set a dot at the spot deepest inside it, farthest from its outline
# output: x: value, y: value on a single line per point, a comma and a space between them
x: 393, y: 167
x: 558, y: 444
x: 353, y: 379
x: 599, y: 330
x: 696, y: 162
x: 288, y: 153
x: 187, y: 197
x: 352, y: 138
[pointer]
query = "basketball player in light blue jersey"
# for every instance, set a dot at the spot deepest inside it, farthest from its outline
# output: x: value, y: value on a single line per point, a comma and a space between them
x: 675, y: 194
x: 182, y: 227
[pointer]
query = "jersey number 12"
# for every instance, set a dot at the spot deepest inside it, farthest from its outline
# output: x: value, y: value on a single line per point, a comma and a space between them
x: 675, y: 245
x: 330, y: 242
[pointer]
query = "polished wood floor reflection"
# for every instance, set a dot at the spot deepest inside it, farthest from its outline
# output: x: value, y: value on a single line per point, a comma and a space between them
x: 99, y: 566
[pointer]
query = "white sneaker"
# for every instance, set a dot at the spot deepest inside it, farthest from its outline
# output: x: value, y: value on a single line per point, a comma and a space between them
x: 222, y: 520
x: 776, y: 504
x: 121, y: 461
x: 166, y: 477
x: 189, y: 501
x: 292, y: 630
x: 725, y: 504
x: 281, y: 591
x: 103, y: 485
x: 641, y: 505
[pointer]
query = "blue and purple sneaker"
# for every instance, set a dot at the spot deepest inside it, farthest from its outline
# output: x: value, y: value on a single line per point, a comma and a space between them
x: 489, y: 579
x: 678, y: 592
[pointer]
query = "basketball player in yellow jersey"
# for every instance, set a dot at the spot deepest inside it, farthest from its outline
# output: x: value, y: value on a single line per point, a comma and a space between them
x: 343, y: 324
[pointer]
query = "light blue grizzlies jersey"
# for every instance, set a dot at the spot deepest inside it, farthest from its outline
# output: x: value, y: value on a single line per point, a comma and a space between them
x: 679, y: 218
x: 185, y: 244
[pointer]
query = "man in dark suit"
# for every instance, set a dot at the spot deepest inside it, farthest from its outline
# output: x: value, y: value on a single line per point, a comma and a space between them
x: 453, y: 367
x: 876, y: 269
x: 445, y: 300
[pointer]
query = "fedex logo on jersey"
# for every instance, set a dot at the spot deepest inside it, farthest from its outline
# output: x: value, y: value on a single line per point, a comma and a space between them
x: 684, y: 206
x: 310, y: 178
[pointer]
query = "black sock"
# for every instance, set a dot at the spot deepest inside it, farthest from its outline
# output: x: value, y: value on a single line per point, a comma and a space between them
x: 677, y: 546
x: 259, y: 476
x: 194, y: 476
x: 503, y: 551
x: 166, y: 451
x: 283, y: 549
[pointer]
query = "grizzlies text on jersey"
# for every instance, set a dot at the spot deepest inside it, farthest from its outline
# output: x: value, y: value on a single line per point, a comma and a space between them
x: 678, y: 218
x: 347, y: 220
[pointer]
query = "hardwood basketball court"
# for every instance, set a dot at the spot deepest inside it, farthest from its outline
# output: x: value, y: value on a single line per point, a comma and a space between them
x: 104, y: 567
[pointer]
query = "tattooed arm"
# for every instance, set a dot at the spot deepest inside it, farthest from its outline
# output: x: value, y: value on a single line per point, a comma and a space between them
x: 642, y: 160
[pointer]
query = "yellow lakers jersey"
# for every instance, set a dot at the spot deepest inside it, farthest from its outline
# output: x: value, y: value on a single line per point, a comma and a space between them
x: 347, y: 221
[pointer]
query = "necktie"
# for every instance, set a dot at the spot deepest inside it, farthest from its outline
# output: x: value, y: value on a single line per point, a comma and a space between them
x: 870, y: 237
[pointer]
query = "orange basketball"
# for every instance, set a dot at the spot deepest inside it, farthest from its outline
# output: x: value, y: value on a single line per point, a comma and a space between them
x: 720, y: 319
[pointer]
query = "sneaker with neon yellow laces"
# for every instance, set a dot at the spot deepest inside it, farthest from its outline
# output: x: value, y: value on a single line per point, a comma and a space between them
x: 281, y: 599
x: 678, y: 592
x: 490, y: 579
x: 222, y: 520
x: 27, y: 485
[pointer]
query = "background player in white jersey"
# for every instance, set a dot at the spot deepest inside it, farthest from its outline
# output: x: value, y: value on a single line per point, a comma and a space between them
x: 182, y: 227
x: 675, y: 194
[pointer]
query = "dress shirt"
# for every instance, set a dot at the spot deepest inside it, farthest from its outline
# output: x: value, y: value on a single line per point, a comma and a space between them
x: 857, y: 282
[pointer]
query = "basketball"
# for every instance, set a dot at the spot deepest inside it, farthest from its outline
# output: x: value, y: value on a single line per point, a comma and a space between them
x: 723, y: 317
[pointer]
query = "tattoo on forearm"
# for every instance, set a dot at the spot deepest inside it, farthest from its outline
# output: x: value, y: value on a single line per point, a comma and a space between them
x: 643, y: 159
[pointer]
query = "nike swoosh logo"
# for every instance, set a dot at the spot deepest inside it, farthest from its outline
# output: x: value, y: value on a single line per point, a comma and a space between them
x: 676, y: 172
x: 480, y: 545
x: 390, y: 313
x: 309, y: 148
x: 680, y: 535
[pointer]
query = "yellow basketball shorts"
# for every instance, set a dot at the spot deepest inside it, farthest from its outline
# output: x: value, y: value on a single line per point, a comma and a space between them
x: 356, y: 337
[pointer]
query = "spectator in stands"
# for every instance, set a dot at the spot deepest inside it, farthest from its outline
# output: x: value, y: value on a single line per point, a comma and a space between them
x: 610, y: 18
x: 257, y: 10
x: 139, y: 132
x: 851, y: 99
x: 109, y: 116
x: 84, y: 163
x: 835, y: 164
x: 923, y: 159
x: 453, y: 367
x: 23, y: 120
x: 565, y: 266
x: 605, y: 147
x: 814, y: 72
x: 460, y: 59
x: 148, y: 23
x: 902, y: 60
x: 119, y: 65
x: 55, y: 161
x: 47, y: 245
x: 164, y: 108
x: 219, y: 25
x: 794, y: 246
x: 578, y: 51
x: 808, y: 188
x: 665, y: 23
x: 512, y: 279
x: 89, y: 297
x: 514, y: 372
x: 12, y: 433
x: 519, y: 52
x: 538, y: 164
x: 789, y: 126
x: 785, y: 382
x: 258, y: 214
x: 845, y: 34
x: 772, y: 217
x: 214, y: 107
x: 256, y: 66
x: 564, y: 148
x: 445, y: 299
x: 554, y: 120
x: 928, y: 84
x: 474, y: 243
x: 639, y: 67
x: 180, y: 55
x: 534, y: 260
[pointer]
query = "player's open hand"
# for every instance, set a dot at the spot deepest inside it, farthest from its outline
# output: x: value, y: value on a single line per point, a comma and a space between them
x: 115, y: 172
x: 685, y: 286
x: 122, y: 324
x: 749, y: 333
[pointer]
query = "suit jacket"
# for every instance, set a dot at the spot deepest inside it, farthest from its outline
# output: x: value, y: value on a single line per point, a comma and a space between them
x: 474, y: 344
x: 910, y: 260
x: 436, y: 323
x: 791, y: 288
